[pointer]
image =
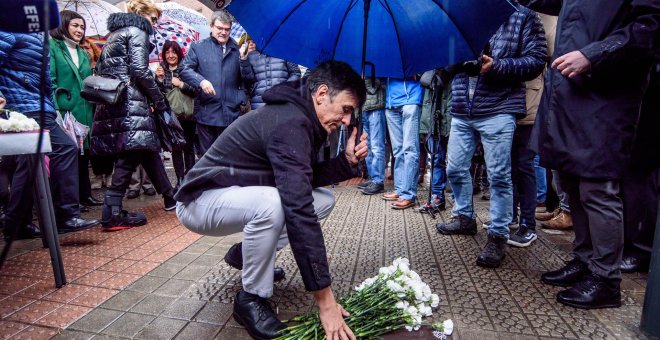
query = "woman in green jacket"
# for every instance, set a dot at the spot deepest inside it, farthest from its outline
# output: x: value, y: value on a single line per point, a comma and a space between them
x: 69, y: 65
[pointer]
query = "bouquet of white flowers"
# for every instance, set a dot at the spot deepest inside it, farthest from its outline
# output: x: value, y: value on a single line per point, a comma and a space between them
x: 17, y: 122
x: 395, y: 298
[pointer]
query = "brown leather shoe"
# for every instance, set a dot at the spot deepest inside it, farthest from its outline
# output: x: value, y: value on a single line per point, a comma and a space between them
x: 560, y: 222
x: 547, y: 215
x: 390, y: 196
x: 401, y: 204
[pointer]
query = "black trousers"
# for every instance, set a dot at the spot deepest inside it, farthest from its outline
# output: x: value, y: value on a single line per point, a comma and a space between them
x: 84, y: 183
x: 207, y: 135
x: 126, y: 164
x: 63, y: 178
x: 184, y: 159
x: 597, y: 211
x: 639, y: 188
x: 523, y: 176
x: 102, y: 164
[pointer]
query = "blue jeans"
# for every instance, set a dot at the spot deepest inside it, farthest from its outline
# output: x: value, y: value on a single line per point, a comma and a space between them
x: 373, y: 123
x: 496, y: 136
x: 541, y: 180
x: 403, y: 123
x: 439, y: 182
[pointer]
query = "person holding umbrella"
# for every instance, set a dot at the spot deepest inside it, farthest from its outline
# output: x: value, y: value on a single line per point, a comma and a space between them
x: 261, y: 174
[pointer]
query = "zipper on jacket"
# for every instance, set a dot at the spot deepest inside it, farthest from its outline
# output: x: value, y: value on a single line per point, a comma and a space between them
x: 470, y: 100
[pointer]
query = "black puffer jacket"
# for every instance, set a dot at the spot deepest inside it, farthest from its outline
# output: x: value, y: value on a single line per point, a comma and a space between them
x: 519, y: 54
x: 129, y: 124
x: 268, y: 72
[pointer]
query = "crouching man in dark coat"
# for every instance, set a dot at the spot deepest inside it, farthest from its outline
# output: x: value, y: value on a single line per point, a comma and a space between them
x: 585, y: 128
x: 261, y: 174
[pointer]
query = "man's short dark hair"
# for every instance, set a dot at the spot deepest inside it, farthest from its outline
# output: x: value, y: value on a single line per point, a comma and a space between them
x: 338, y: 76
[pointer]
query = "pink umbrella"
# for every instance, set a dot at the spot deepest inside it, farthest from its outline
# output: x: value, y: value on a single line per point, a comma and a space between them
x: 171, y: 29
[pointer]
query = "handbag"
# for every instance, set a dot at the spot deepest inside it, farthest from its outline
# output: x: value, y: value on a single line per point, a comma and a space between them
x: 103, y: 89
x: 181, y: 104
x: 169, y: 131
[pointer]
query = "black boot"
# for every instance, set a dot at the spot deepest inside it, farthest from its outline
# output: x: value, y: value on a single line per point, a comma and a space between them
x: 256, y: 315
x: 566, y: 276
x: 592, y: 292
x: 234, y: 258
x: 493, y: 253
x: 113, y: 218
x: 458, y: 225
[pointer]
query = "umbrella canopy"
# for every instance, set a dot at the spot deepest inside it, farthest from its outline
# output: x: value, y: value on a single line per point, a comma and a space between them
x: 188, y: 16
x: 404, y: 37
x: 95, y: 12
x: 171, y: 29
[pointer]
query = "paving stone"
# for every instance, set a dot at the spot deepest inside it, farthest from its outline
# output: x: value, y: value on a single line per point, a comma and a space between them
x: 215, y: 313
x: 161, y: 328
x: 67, y: 334
x: 124, y: 300
x: 152, y: 304
x: 168, y: 269
x: 96, y: 320
x: 183, y: 308
x: 182, y: 258
x: 192, y: 272
x: 173, y: 288
x: 128, y: 325
x: 147, y: 284
x: 196, y: 331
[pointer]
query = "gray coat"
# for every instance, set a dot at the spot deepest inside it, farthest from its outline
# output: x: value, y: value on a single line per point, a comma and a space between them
x: 227, y: 73
x: 585, y: 126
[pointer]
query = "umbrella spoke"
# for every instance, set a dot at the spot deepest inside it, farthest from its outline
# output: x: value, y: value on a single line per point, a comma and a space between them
x: 343, y: 19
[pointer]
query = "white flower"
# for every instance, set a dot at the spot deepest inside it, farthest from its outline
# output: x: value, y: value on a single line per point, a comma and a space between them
x: 435, y: 300
x: 18, y: 122
x: 448, y: 326
x: 409, y: 328
x: 394, y: 287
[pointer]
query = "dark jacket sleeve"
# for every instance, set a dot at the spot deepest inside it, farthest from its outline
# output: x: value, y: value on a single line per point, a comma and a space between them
x: 533, y: 56
x: 334, y: 170
x: 247, y: 74
x: 550, y: 7
x: 190, y: 64
x: 138, y: 54
x: 294, y: 71
x: 289, y: 152
x: 189, y: 90
x: 634, y: 41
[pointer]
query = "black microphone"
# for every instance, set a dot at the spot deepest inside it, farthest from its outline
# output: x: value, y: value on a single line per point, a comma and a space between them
x: 28, y: 16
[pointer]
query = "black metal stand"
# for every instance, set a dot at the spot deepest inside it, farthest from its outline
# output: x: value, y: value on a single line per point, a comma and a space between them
x: 651, y: 309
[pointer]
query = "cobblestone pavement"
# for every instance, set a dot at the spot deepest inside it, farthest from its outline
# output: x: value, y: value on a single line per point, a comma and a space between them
x: 189, y: 294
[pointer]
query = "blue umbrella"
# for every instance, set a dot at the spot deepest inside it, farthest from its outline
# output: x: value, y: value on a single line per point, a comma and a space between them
x: 399, y: 37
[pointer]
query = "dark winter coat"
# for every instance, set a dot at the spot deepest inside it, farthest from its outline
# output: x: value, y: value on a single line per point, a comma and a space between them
x: 585, y: 126
x: 276, y: 146
x: 268, y: 72
x: 228, y: 74
x: 129, y: 124
x: 20, y: 72
x: 519, y: 54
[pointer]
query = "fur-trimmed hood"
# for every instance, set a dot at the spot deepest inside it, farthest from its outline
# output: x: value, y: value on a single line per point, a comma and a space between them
x: 118, y: 21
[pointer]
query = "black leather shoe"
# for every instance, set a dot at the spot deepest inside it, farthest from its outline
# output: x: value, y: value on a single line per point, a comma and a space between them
x: 234, y: 258
x: 169, y: 203
x: 131, y: 194
x: 591, y: 293
x: 256, y: 315
x: 571, y: 273
x: 76, y: 224
x: 28, y: 232
x: 631, y: 264
x: 91, y: 202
